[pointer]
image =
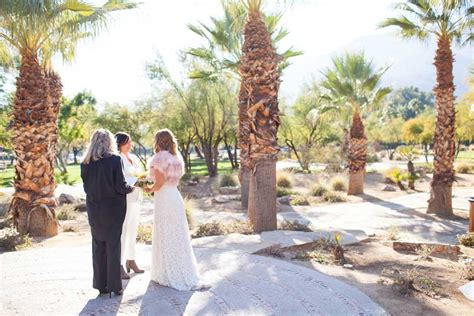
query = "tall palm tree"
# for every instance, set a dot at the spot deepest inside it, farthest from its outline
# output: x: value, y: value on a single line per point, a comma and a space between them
x: 351, y: 87
x: 31, y: 27
x: 259, y: 116
x: 222, y: 56
x: 449, y: 21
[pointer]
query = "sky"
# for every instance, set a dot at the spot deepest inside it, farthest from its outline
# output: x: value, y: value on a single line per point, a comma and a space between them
x: 112, y: 65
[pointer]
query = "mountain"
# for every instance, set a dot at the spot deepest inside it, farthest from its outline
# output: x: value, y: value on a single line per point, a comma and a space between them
x: 411, y: 63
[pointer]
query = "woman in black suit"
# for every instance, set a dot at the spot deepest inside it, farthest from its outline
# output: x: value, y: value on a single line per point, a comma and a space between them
x: 106, y: 200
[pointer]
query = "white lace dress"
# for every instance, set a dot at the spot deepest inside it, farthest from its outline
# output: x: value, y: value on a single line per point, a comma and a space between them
x: 173, y: 262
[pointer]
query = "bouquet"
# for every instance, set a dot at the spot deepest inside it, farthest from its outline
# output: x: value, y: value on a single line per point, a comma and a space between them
x: 143, y: 181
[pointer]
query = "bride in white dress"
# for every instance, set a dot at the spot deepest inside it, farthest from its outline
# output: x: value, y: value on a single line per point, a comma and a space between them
x: 173, y: 263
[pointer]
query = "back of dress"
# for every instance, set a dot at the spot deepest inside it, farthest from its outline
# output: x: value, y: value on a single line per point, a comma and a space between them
x: 171, y: 166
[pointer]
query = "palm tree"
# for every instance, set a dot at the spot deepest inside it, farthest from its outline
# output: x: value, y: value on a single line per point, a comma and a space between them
x: 449, y: 21
x: 32, y: 27
x: 259, y: 117
x: 351, y: 87
x: 222, y: 56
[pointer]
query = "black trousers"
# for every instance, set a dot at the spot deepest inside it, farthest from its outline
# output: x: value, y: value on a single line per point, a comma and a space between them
x: 106, y: 264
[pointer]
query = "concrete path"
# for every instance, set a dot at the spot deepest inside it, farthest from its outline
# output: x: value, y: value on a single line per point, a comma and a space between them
x: 57, y: 281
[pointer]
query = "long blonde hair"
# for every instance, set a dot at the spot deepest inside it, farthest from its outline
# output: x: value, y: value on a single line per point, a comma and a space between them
x: 102, y: 145
x: 165, y: 140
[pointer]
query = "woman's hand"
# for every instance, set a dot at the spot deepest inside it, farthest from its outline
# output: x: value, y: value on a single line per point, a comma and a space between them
x: 148, y: 190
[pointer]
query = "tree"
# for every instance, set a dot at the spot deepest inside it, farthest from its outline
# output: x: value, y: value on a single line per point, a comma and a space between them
x: 209, y: 107
x: 448, y: 21
x: 408, y: 102
x: 420, y: 130
x: 351, y: 87
x: 304, y: 128
x: 259, y: 117
x: 465, y: 117
x: 410, y: 153
x: 222, y: 56
x: 74, y: 126
x: 136, y: 122
x: 385, y: 130
x: 31, y: 27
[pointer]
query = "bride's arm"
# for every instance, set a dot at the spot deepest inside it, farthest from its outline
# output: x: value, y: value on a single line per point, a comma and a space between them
x: 159, y: 178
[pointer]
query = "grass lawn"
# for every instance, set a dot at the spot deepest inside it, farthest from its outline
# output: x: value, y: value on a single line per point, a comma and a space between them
x: 7, y: 175
x: 199, y: 168
x: 466, y: 155
x: 74, y: 171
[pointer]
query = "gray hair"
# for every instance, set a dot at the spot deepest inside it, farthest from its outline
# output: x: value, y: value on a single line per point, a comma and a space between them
x: 102, y: 145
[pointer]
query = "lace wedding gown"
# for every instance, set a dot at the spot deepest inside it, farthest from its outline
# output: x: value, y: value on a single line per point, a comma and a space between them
x: 173, y: 262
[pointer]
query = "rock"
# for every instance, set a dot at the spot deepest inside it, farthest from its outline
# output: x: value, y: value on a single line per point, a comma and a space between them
x: 468, y: 290
x: 220, y: 200
x: 229, y: 190
x: 415, y: 246
x: 348, y: 266
x: 81, y: 207
x: 65, y: 198
x: 389, y: 188
x: 284, y: 200
x: 192, y: 183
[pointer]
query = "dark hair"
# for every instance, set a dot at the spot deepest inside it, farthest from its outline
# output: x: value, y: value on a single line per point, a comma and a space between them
x: 122, y: 138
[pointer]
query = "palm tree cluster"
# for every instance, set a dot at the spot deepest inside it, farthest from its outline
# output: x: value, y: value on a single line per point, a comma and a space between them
x: 36, y: 31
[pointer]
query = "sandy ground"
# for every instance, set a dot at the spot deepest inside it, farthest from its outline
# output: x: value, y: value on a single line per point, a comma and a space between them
x: 369, y: 258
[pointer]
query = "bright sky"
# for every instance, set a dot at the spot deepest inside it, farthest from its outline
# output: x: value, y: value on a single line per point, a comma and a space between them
x: 112, y: 65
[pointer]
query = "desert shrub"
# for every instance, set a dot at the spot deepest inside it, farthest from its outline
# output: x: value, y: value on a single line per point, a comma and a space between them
x: 144, y: 234
x: 466, y: 239
x: 12, y: 240
x: 68, y: 229
x: 467, y: 272
x: 318, y: 189
x: 393, y: 233
x: 6, y: 222
x: 313, y: 255
x: 293, y: 170
x: 284, y: 192
x: 228, y: 180
x: 66, y: 212
x: 425, y: 252
x: 411, y: 280
x: 334, y: 197
x: 284, y: 180
x: 299, y: 200
x: 338, y: 184
x: 295, y: 226
x: 216, y: 228
x: 464, y: 167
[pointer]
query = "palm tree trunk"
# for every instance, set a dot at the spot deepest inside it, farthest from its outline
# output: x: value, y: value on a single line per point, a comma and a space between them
x: 244, y: 143
x: 357, y: 156
x: 260, y: 81
x: 440, y: 201
x: 34, y: 139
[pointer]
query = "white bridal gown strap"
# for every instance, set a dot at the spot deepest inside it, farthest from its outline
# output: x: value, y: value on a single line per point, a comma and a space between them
x: 173, y: 262
x: 130, y: 224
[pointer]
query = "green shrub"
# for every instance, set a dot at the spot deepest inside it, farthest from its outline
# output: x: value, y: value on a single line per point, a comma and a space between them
x: 338, y: 184
x: 334, y: 197
x: 66, y: 212
x: 318, y: 189
x: 397, y: 176
x: 63, y: 177
x: 284, y: 192
x: 284, y: 180
x: 228, y: 180
x: 299, y: 200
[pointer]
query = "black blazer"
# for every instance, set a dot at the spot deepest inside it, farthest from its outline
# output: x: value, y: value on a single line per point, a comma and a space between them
x: 106, y: 196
